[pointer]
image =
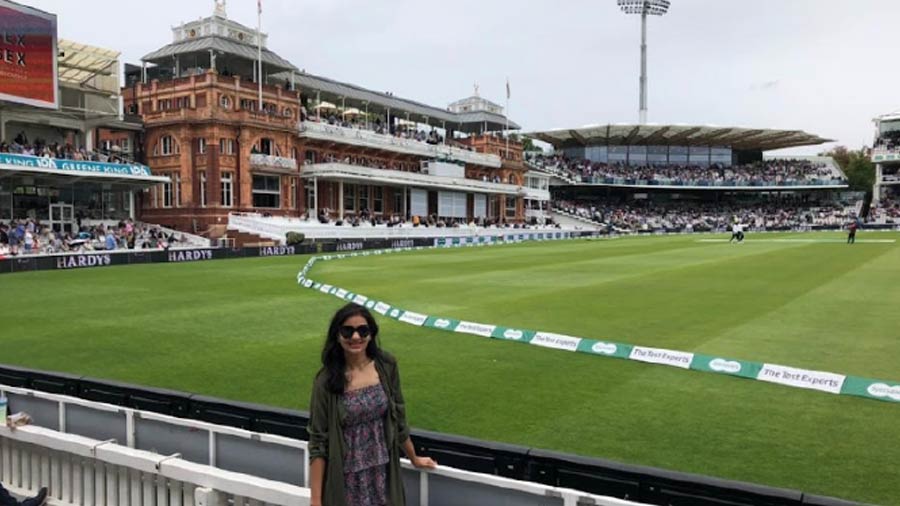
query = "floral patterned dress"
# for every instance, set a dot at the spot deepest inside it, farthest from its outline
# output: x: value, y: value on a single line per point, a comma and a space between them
x: 365, y: 464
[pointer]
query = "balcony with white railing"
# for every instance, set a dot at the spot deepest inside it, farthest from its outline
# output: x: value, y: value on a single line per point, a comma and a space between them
x: 270, y: 163
x: 886, y: 155
x: 91, y: 453
x: 336, y: 171
x: 370, y: 139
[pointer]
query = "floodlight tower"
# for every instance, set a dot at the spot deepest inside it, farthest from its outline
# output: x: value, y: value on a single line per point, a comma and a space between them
x: 644, y: 8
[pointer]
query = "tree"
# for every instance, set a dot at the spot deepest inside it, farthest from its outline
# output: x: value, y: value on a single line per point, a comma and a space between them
x: 857, y: 165
x: 840, y: 154
x: 860, y: 172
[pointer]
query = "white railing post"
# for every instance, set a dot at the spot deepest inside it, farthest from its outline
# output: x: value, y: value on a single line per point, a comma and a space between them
x: 208, y: 497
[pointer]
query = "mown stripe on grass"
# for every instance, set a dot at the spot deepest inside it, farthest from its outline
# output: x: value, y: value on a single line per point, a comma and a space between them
x: 808, y: 379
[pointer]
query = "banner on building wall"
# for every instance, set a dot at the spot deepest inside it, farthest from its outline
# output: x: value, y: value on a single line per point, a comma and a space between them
x: 28, y: 54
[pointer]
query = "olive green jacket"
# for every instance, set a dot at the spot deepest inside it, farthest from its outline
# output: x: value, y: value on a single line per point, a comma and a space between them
x: 326, y: 437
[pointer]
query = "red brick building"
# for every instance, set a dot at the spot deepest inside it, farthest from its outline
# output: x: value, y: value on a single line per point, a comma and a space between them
x: 303, y: 145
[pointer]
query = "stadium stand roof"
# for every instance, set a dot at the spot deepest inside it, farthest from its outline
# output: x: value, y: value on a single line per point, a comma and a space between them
x: 378, y: 101
x: 221, y: 45
x: 739, y: 138
x: 78, y: 63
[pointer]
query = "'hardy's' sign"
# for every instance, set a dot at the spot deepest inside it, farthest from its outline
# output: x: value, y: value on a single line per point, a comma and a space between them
x: 82, y: 261
x: 190, y: 255
x: 277, y: 251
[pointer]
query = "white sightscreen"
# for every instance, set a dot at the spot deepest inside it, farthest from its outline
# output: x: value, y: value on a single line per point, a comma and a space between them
x: 452, y: 204
x: 480, y: 210
x: 418, y: 202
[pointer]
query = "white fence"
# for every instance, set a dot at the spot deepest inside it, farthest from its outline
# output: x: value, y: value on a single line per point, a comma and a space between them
x: 83, y: 471
x: 112, y: 466
x: 275, y: 228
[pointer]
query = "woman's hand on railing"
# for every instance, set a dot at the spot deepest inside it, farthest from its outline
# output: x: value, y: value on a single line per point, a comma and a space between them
x: 424, y: 463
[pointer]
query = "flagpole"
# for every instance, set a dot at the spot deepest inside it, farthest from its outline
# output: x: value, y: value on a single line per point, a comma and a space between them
x: 259, y: 51
x: 507, y: 118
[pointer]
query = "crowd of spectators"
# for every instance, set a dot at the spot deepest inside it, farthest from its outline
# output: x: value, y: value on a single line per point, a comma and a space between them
x: 365, y: 218
x: 44, y: 149
x: 379, y: 126
x: 887, y: 211
x: 31, y: 237
x: 770, y: 172
x: 638, y: 216
x: 889, y: 141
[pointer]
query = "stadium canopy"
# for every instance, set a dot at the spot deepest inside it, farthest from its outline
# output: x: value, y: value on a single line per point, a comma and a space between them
x: 737, y: 138
x: 378, y: 102
x: 79, y: 63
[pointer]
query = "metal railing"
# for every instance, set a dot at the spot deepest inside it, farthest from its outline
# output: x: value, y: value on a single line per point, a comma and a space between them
x: 79, y: 470
x: 89, y: 452
x: 370, y: 139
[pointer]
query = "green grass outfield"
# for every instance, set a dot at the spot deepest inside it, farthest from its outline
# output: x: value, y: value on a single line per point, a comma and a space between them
x: 243, y: 329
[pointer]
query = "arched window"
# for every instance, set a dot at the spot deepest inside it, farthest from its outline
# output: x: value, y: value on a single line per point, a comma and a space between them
x: 267, y: 147
x: 225, y: 102
x: 512, y: 179
x: 166, y: 146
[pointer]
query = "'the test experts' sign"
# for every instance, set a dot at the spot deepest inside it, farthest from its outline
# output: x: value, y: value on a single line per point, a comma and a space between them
x: 28, y: 72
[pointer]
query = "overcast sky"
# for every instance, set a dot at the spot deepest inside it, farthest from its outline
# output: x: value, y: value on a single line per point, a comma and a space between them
x: 824, y: 66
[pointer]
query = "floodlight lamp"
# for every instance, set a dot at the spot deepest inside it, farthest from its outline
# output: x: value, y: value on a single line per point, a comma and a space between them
x: 652, y: 7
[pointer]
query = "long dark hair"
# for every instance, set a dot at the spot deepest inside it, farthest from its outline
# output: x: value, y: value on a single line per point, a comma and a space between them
x: 334, y: 363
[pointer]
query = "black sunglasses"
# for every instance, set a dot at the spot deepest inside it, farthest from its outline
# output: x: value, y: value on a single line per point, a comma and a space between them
x: 346, y: 331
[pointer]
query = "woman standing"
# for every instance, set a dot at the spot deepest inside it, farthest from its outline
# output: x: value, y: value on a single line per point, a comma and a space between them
x: 357, y: 419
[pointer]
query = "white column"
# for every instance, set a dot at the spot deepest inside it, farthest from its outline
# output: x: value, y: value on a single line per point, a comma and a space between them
x: 341, y: 200
x: 131, y: 213
x: 89, y: 139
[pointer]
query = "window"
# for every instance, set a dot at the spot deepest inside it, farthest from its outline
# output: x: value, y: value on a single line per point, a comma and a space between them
x: 226, y: 146
x: 310, y: 156
x: 202, y: 188
x: 201, y: 146
x: 311, y: 199
x: 225, y: 102
x: 510, y: 207
x: 177, y: 183
x: 512, y: 179
x: 349, y: 197
x: 293, y: 195
x: 398, y: 200
x: 267, y: 191
x: 106, y: 145
x: 227, y: 189
x: 125, y: 144
x: 378, y: 199
x: 167, y: 193
x: 363, y: 198
x: 267, y: 147
x: 167, y: 146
